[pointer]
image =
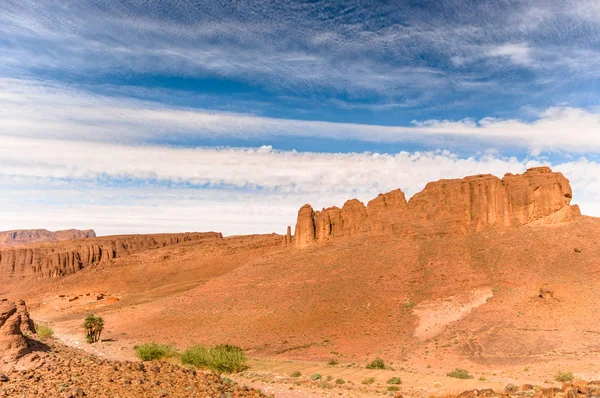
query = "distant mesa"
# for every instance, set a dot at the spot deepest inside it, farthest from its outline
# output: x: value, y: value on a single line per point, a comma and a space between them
x: 21, y: 237
x: 456, y: 206
x: 65, y: 258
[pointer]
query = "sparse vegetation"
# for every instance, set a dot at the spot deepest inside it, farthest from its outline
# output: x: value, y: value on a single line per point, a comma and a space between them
x: 393, y: 388
x: 326, y: 385
x: 368, y: 380
x: 340, y: 381
x: 222, y: 358
x: 93, y: 326
x: 564, y: 377
x: 459, y: 374
x: 316, y: 376
x: 296, y: 373
x: 511, y: 388
x: 43, y: 330
x: 332, y: 362
x: 154, y: 351
x: 377, y: 363
x: 394, y: 380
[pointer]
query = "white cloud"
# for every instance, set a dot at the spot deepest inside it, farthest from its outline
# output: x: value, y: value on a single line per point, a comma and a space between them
x: 36, y: 109
x: 519, y: 54
x: 125, y: 189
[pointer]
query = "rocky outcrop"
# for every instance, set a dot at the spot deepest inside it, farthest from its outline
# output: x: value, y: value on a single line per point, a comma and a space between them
x: 457, y: 206
x: 64, y: 258
x: 27, y: 325
x: 26, y: 236
x: 12, y: 342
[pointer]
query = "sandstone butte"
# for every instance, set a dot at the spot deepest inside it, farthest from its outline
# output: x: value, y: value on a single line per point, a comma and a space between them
x: 455, y: 206
x: 53, y: 260
x: 25, y: 236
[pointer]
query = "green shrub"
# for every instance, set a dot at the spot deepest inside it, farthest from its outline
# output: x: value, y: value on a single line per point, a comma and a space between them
x: 459, y: 374
x: 564, y: 377
x: 296, y: 373
x: 326, y: 385
x: 316, y: 376
x: 394, y: 380
x: 43, y: 330
x: 222, y: 358
x: 393, y: 388
x: 377, y: 363
x: 332, y: 362
x: 153, y: 351
x: 368, y: 380
x: 340, y: 381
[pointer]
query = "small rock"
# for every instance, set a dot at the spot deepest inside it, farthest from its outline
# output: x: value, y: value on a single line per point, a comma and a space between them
x: 3, y: 379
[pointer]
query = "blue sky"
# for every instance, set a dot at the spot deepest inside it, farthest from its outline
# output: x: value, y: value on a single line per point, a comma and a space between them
x: 152, y: 116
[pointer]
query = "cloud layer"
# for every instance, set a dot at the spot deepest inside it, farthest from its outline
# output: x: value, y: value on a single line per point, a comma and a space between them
x: 123, y: 188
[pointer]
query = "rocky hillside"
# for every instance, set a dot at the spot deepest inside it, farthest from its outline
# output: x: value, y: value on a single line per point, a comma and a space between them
x: 64, y: 258
x: 22, y: 237
x: 46, y: 368
x: 458, y: 206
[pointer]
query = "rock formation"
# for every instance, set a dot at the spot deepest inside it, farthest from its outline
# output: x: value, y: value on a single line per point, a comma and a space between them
x: 25, y: 236
x: 27, y: 325
x: 454, y: 206
x: 58, y: 259
x: 12, y: 342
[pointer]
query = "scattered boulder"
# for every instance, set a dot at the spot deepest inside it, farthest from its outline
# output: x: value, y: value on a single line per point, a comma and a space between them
x: 546, y: 292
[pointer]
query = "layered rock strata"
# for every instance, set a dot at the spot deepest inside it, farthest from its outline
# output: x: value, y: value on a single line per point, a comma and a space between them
x: 26, y: 236
x: 457, y: 206
x: 59, y: 259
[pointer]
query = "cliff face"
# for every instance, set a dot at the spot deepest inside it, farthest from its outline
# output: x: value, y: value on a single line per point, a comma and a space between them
x: 25, y: 236
x: 58, y: 259
x: 447, y: 207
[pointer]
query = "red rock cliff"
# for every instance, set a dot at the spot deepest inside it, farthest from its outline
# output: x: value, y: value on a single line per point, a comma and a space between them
x: 58, y: 259
x: 25, y: 236
x: 446, y: 207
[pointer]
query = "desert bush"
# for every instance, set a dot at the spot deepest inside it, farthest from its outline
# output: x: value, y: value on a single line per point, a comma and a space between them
x: 511, y: 388
x: 377, y: 363
x: 326, y: 385
x: 340, y: 381
x: 93, y: 326
x: 459, y: 374
x: 296, y: 373
x: 368, y: 380
x: 332, y: 362
x: 393, y: 388
x: 153, y: 351
x: 564, y: 377
x: 43, y: 330
x: 316, y: 376
x: 222, y: 358
x: 394, y: 380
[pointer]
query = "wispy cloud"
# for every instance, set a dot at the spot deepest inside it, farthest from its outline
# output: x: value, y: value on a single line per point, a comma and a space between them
x: 404, y: 57
x: 37, y: 109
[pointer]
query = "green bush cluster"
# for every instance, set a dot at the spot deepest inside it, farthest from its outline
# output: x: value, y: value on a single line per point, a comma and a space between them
x: 377, y: 363
x: 564, y: 377
x: 394, y: 380
x: 43, y: 330
x: 222, y: 358
x: 154, y: 351
x: 459, y: 374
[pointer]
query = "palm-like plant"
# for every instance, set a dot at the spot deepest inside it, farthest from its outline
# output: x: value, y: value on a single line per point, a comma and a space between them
x: 93, y: 326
